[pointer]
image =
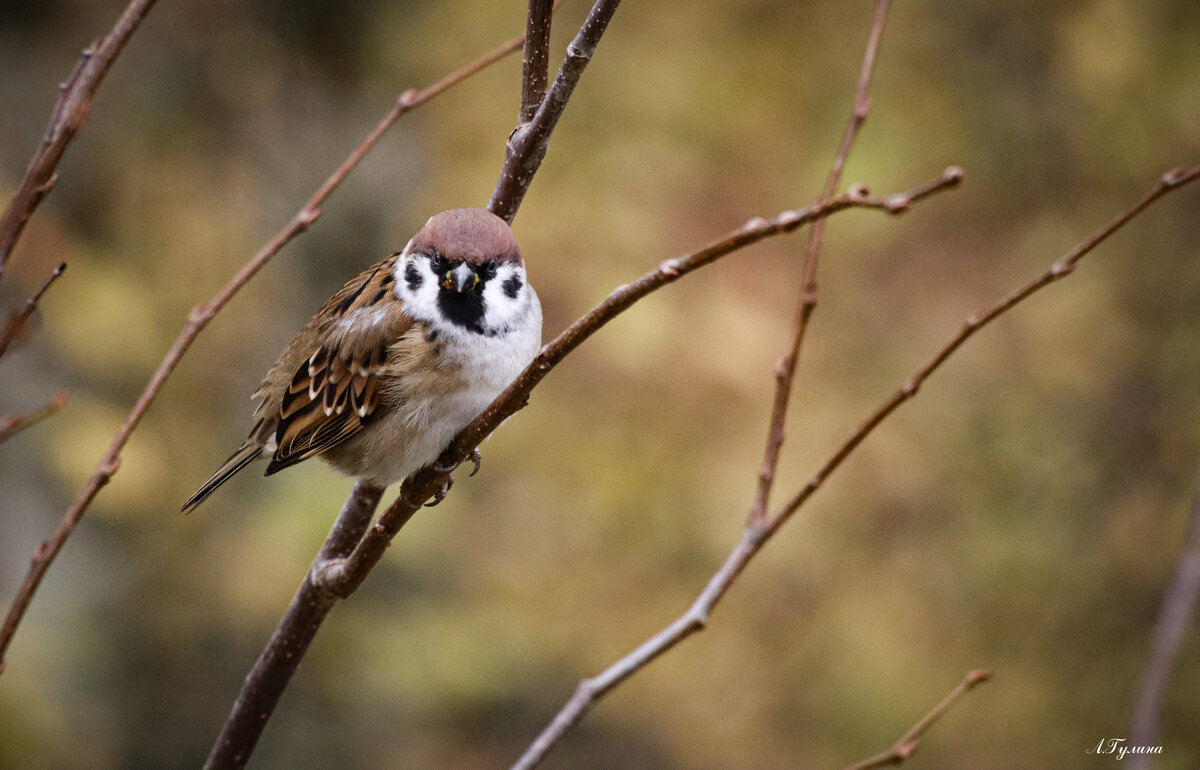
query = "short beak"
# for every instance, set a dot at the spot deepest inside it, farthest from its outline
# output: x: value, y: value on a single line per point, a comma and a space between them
x: 461, y: 278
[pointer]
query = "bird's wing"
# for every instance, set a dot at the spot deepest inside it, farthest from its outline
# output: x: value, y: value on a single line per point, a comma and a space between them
x: 333, y: 378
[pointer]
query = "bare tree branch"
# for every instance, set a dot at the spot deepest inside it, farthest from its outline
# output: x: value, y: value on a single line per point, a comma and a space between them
x: 754, y: 536
x: 907, y: 744
x: 785, y: 370
x: 536, y: 61
x: 18, y: 319
x: 202, y: 314
x: 13, y: 424
x: 1171, y: 180
x: 1169, y: 630
x: 70, y: 112
x: 279, y: 660
x: 528, y: 142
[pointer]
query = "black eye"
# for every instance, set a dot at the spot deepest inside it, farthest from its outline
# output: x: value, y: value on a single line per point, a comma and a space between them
x: 487, y: 271
x: 437, y: 262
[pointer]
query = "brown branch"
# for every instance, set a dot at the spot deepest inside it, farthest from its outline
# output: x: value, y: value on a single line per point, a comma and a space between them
x: 13, y: 424
x: 70, y: 112
x: 279, y: 660
x: 202, y: 314
x: 806, y: 303
x: 18, y: 319
x: 907, y: 744
x: 754, y: 536
x: 535, y: 63
x: 528, y: 142
x: 1173, y: 620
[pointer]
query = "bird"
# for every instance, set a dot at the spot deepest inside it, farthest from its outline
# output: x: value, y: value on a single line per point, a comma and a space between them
x: 400, y: 359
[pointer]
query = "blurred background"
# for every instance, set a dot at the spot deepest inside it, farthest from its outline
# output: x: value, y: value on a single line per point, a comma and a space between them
x: 1023, y: 514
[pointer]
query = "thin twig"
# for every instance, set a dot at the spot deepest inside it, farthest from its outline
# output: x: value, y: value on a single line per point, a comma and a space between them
x: 535, y: 63
x: 13, y: 424
x: 1173, y: 620
x: 1172, y: 180
x: 70, y: 112
x: 18, y: 319
x: 202, y: 314
x: 528, y: 143
x: 754, y: 536
x: 785, y: 369
x: 907, y: 744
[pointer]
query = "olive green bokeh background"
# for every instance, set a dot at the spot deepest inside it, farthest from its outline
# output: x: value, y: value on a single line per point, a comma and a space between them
x: 1023, y: 514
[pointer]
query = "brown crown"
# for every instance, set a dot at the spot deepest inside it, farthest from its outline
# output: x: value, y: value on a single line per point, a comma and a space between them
x: 472, y: 235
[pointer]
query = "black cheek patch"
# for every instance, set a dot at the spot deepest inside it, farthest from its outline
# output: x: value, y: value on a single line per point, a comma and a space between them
x: 511, y: 286
x: 412, y: 277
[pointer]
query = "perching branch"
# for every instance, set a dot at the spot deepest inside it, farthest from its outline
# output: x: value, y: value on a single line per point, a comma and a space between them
x: 202, y: 314
x: 528, y: 142
x: 13, y: 424
x: 70, y: 112
x: 18, y: 319
x: 907, y: 744
x: 1173, y: 620
x: 785, y: 370
x: 754, y: 536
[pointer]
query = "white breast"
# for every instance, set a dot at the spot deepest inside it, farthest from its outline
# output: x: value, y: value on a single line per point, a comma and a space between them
x: 486, y: 365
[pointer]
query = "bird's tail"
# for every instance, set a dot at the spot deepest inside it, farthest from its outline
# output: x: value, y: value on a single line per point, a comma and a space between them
x: 238, y: 460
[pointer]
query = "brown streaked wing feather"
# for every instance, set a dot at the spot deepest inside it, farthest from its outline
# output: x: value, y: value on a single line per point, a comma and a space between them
x: 334, y: 390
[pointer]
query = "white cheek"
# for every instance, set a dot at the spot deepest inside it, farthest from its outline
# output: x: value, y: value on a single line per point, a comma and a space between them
x: 421, y: 302
x: 501, y: 309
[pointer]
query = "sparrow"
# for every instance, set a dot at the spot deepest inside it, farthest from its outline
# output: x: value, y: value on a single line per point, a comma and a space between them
x: 401, y: 359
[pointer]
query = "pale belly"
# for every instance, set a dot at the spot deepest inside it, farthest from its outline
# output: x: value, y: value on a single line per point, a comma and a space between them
x: 430, y: 408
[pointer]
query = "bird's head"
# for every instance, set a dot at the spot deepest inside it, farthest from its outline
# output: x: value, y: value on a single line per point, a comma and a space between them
x: 463, y: 272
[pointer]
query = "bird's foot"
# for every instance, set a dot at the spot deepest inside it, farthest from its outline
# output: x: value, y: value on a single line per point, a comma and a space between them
x: 476, y: 459
x: 440, y: 495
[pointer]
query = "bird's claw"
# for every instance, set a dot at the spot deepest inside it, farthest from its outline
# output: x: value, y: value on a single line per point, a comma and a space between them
x: 440, y: 495
x: 476, y: 460
x: 443, y: 490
